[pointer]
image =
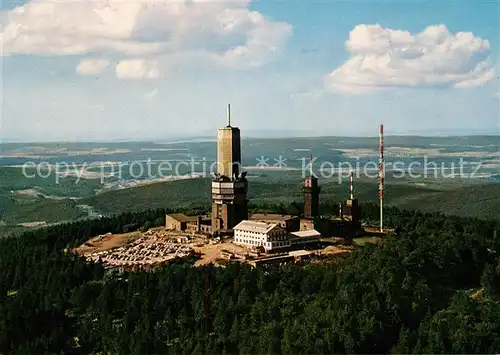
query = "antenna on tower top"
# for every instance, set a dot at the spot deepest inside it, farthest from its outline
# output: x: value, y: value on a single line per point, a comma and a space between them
x: 350, y: 186
x: 229, y: 115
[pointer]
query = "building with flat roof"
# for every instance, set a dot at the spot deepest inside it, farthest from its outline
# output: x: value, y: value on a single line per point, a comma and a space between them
x: 178, y: 221
x: 202, y: 224
x: 182, y: 223
x: 339, y: 227
x: 305, y: 237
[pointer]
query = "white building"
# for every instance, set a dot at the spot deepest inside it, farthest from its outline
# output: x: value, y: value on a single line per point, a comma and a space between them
x: 304, y: 237
x: 270, y: 236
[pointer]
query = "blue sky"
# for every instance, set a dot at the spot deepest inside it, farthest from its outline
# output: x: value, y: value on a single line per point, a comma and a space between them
x: 109, y: 70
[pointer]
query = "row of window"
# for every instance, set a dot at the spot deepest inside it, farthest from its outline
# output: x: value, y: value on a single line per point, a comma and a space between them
x: 261, y: 237
x: 260, y: 243
x: 273, y: 234
x: 250, y: 236
x: 250, y: 242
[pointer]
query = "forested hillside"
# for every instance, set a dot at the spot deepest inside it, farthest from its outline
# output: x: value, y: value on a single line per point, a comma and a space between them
x: 473, y: 200
x: 32, y: 206
x: 481, y: 201
x: 432, y: 288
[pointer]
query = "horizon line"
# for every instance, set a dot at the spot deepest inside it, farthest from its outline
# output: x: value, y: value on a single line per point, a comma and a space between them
x: 164, y: 141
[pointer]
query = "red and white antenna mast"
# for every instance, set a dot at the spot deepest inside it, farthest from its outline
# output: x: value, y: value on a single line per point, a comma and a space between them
x: 351, y: 189
x: 381, y: 177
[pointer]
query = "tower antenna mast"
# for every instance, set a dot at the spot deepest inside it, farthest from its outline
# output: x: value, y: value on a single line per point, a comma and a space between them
x: 381, y: 177
x: 229, y: 115
x: 351, y: 189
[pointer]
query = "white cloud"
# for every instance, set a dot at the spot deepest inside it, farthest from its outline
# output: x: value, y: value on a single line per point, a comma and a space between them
x: 225, y: 32
x: 383, y: 59
x: 137, y: 69
x: 91, y: 66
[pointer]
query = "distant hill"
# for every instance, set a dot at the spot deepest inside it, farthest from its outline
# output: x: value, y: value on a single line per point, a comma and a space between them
x: 182, y: 193
x: 474, y: 200
x: 481, y: 200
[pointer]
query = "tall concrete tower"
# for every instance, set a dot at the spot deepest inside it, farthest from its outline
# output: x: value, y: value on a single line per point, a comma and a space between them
x: 229, y: 149
x: 311, y: 194
x: 229, y: 186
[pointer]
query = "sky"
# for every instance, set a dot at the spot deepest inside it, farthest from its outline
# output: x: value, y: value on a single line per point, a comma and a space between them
x: 144, y: 69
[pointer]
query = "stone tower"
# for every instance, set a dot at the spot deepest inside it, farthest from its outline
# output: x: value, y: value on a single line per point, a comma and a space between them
x: 311, y: 197
x: 311, y: 194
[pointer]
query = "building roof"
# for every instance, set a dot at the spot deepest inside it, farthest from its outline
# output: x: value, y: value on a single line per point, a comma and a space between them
x: 300, y: 253
x: 270, y: 217
x: 308, y: 233
x: 339, y: 220
x: 255, y: 226
x: 181, y: 217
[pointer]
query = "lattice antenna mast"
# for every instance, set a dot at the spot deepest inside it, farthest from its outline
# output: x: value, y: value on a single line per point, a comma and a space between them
x: 381, y: 177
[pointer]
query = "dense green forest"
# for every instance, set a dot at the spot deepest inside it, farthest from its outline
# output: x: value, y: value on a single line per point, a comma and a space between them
x: 434, y: 287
